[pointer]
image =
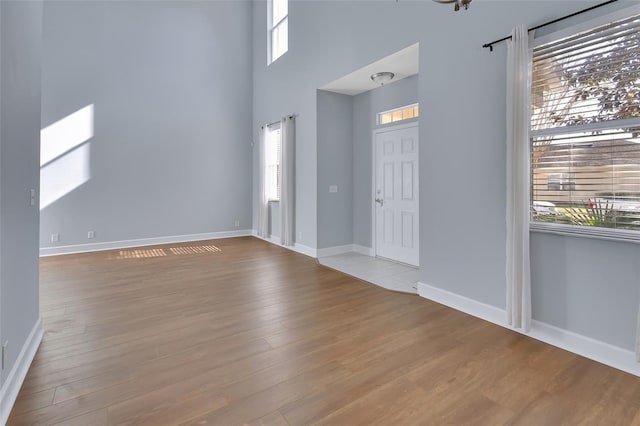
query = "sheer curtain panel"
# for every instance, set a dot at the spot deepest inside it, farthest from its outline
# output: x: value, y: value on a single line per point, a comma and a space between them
x: 518, y: 122
x: 287, y: 185
x: 263, y: 203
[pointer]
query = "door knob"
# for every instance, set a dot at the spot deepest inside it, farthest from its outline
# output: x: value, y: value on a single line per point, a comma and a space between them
x: 381, y: 201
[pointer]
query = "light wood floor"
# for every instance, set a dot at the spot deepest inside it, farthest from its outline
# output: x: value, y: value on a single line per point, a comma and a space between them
x: 258, y: 334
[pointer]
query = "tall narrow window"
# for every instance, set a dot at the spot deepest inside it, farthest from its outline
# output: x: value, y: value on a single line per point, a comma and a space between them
x: 278, y: 28
x: 585, y: 129
x: 272, y: 154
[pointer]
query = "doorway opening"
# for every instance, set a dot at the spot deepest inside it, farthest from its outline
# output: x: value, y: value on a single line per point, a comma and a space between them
x: 348, y: 114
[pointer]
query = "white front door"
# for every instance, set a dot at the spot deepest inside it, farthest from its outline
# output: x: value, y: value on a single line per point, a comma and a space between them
x: 396, y: 194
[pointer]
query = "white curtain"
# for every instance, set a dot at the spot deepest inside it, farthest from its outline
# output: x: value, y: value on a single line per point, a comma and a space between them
x: 263, y: 203
x: 518, y: 123
x: 287, y: 184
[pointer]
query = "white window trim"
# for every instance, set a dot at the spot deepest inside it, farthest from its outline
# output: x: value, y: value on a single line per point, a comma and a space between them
x: 402, y: 108
x: 609, y: 234
x: 270, y: 30
x: 280, y: 22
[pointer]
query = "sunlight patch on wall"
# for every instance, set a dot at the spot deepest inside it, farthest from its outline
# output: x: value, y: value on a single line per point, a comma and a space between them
x: 65, y: 155
x: 63, y: 175
x: 66, y: 134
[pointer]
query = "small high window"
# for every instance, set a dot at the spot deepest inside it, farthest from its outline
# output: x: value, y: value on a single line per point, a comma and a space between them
x: 278, y: 24
x: 399, y: 114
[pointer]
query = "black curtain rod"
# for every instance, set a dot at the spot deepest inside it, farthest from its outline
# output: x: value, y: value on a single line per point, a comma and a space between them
x: 490, y: 45
x: 277, y: 122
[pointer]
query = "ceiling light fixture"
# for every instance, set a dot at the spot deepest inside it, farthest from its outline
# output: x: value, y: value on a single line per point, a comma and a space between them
x: 382, y: 77
x: 458, y: 3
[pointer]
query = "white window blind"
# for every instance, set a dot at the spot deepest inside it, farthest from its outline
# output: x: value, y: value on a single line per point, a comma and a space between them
x: 278, y: 28
x: 272, y: 154
x: 585, y: 128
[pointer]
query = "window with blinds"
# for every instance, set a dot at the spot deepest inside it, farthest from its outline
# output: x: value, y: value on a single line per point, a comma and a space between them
x: 585, y: 129
x: 272, y: 154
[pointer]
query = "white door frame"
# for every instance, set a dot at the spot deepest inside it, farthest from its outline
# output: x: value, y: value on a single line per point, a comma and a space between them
x: 374, y: 158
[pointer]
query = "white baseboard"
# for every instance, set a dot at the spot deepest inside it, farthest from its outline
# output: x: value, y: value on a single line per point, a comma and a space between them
x: 316, y: 253
x: 367, y: 251
x: 607, y: 354
x: 114, y: 245
x: 13, y: 383
x: 302, y: 249
x: 348, y: 248
x: 332, y: 251
x: 297, y: 247
x: 587, y: 347
x: 463, y: 304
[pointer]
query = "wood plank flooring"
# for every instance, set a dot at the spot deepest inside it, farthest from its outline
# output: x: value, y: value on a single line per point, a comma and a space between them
x: 244, y: 332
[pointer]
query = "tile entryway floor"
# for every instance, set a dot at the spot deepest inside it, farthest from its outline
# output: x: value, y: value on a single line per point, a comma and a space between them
x: 384, y: 273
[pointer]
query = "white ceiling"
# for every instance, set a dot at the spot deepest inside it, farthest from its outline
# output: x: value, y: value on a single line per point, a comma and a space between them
x: 403, y: 63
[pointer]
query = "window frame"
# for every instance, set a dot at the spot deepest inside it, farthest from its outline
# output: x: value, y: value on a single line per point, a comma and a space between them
x: 612, y: 234
x: 415, y: 107
x: 271, y: 28
x: 272, y: 128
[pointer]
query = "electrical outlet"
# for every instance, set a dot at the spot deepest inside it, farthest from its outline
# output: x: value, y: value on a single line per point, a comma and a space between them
x: 55, y: 238
x: 237, y: 223
x: 91, y: 234
x: 32, y: 197
x: 299, y: 235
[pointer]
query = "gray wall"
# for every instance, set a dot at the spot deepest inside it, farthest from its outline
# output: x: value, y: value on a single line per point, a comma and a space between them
x: 335, y: 167
x: 20, y: 52
x: 463, y: 192
x: 588, y: 286
x: 365, y: 107
x: 462, y: 131
x: 170, y: 85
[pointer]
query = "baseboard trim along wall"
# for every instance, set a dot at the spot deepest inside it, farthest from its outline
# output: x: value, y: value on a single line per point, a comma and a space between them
x: 302, y: 249
x: 114, y: 245
x: 348, y: 248
x: 332, y: 251
x: 367, y: 251
x: 587, y: 347
x: 323, y: 252
x: 13, y: 383
x: 299, y: 248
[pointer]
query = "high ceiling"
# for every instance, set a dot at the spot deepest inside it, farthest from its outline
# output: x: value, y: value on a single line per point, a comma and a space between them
x: 403, y: 63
